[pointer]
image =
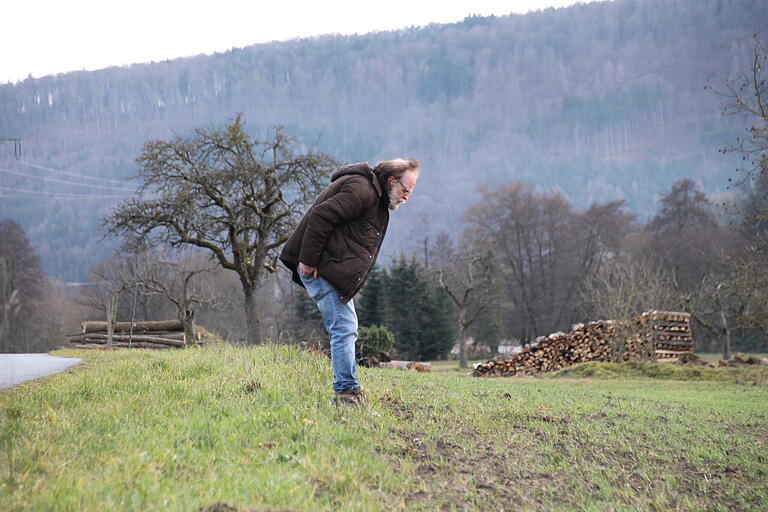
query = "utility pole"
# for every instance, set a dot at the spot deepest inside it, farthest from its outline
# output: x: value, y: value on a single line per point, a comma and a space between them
x: 16, y: 145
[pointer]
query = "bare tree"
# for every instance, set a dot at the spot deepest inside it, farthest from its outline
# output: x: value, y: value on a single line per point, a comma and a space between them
x: 753, y: 289
x: 102, y: 294
x: 735, y: 300
x: 226, y: 193
x: 546, y: 249
x: 746, y: 93
x: 175, y: 278
x: 172, y: 276
x: 718, y: 307
x: 624, y: 287
x: 465, y: 275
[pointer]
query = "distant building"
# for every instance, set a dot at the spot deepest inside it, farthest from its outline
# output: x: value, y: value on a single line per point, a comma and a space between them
x: 509, y: 348
x: 476, y: 349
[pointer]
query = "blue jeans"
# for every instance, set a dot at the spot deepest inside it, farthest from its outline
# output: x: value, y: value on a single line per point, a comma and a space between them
x: 341, y: 323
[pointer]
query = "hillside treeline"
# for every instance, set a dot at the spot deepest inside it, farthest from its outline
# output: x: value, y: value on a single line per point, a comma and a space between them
x: 604, y: 101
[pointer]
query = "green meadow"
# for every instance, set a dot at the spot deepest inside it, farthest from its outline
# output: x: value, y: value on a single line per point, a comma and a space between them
x: 230, y: 428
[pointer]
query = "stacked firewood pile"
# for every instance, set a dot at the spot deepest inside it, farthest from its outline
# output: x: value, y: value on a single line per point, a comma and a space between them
x: 161, y: 335
x: 651, y: 335
x: 670, y: 334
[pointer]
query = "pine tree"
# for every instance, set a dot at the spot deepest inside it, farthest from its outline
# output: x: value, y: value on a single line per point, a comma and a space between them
x: 400, y: 313
x: 370, y: 305
x: 418, y: 314
x: 436, y: 316
x: 25, y: 312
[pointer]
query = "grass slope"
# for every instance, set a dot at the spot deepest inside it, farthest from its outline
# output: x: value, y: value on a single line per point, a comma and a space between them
x: 253, y: 428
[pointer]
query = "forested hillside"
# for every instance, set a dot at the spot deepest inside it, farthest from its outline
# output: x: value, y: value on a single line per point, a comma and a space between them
x: 604, y: 101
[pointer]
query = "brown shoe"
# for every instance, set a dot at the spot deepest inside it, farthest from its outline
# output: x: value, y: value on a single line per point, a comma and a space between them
x: 351, y: 396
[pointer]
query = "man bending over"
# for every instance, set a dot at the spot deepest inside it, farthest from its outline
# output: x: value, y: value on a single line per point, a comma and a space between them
x: 335, y: 246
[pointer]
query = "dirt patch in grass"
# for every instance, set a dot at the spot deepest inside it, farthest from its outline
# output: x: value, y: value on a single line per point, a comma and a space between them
x: 473, y: 475
x: 757, y: 431
x: 473, y: 472
x: 541, y: 460
x: 224, y: 507
x: 218, y: 507
x: 398, y: 407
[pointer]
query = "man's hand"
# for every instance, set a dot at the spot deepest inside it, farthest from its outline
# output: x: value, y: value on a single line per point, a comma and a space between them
x: 307, y: 270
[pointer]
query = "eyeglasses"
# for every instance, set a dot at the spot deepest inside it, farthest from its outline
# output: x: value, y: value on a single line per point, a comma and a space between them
x: 407, y: 191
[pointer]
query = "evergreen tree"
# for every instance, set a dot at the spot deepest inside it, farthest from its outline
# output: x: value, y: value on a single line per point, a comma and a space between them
x: 685, y: 235
x: 437, y: 335
x: 418, y: 314
x: 28, y: 323
x: 370, y: 305
x: 400, y: 313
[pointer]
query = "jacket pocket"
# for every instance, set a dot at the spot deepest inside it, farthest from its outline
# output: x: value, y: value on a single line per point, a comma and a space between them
x: 359, y: 250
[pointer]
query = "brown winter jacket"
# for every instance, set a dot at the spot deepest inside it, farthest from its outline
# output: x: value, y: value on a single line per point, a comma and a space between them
x: 342, y: 232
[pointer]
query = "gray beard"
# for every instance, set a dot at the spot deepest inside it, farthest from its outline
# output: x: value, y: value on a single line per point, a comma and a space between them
x: 394, y: 203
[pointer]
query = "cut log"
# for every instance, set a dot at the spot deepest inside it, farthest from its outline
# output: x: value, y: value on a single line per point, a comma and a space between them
x: 102, y: 339
x: 143, y: 344
x: 174, y: 335
x: 177, y: 336
x: 122, y: 344
x: 164, y: 325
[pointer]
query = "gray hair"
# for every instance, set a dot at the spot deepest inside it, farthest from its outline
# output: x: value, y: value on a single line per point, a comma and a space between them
x: 396, y: 167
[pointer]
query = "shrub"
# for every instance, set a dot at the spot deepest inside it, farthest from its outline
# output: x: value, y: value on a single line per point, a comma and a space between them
x: 375, y: 341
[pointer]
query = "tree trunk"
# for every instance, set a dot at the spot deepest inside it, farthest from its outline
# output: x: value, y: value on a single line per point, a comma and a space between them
x: 462, y: 340
x: 252, y: 317
x: 174, y: 336
x: 188, y: 323
x: 727, y: 337
x: 111, y: 307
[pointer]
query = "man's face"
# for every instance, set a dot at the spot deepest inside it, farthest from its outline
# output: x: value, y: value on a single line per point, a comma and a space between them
x: 400, y: 189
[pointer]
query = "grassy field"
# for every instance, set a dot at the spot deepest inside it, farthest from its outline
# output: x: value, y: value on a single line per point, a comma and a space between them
x: 251, y: 429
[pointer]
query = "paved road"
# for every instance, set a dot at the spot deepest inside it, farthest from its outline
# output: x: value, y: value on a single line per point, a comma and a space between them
x: 18, y: 368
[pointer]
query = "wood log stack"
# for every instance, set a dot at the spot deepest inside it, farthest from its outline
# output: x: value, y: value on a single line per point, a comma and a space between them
x: 651, y: 334
x: 670, y: 333
x: 164, y: 334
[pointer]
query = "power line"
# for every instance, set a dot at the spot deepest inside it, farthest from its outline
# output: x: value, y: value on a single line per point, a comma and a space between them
x: 54, y: 180
x: 76, y: 175
x: 59, y: 195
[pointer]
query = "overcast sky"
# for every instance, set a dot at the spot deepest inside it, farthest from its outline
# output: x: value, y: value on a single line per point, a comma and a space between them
x: 42, y: 37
